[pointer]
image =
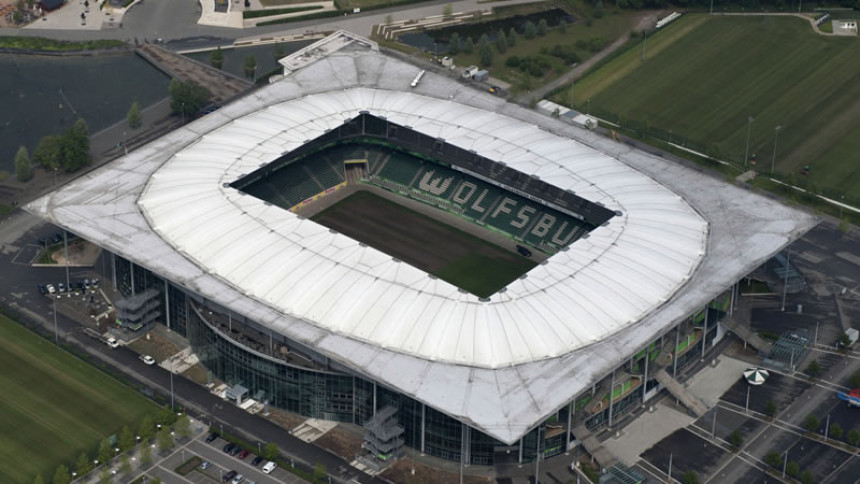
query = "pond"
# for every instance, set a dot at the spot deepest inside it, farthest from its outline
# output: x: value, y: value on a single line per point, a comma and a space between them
x: 426, y: 40
x: 44, y: 95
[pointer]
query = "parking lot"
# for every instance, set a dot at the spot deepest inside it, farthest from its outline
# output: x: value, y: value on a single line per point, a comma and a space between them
x: 222, y: 464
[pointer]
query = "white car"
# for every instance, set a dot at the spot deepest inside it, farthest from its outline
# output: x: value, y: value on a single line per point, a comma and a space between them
x: 269, y: 467
x: 147, y: 359
x: 238, y: 479
x: 113, y: 343
x: 51, y: 289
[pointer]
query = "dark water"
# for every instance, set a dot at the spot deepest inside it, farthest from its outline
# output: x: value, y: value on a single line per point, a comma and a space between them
x: 43, y: 95
x: 234, y: 59
x: 425, y: 40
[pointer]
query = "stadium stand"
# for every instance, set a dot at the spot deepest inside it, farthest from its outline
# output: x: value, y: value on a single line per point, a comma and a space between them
x: 290, y: 184
x: 400, y: 168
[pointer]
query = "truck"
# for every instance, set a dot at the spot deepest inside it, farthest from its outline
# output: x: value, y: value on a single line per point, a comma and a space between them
x: 852, y: 334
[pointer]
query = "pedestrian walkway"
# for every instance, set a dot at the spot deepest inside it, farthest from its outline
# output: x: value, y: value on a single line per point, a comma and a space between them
x: 677, y: 390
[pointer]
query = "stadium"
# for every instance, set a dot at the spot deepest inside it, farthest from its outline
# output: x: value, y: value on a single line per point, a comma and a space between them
x: 462, y: 275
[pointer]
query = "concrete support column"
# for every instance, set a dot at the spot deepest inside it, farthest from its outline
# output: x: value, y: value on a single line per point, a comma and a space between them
x: 423, y: 425
x: 466, y: 444
x: 520, y: 458
x: 611, y: 392
x: 569, y: 424
x: 374, y: 399
x: 675, y: 351
x: 732, y: 299
x: 645, y: 376
x: 131, y: 272
x: 113, y: 267
x: 705, y: 330
x: 167, y: 303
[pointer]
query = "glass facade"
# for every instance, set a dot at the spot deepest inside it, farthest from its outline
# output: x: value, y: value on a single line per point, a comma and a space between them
x: 295, y: 378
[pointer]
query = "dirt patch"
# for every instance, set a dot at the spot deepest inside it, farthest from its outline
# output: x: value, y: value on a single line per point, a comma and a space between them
x: 341, y: 442
x: 401, y: 471
x: 284, y: 419
x: 155, y: 345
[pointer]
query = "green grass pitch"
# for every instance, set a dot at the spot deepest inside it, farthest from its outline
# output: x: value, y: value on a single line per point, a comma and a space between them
x: 54, y: 406
x: 703, y: 76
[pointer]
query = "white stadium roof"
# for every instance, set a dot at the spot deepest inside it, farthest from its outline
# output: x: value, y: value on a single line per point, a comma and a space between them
x: 681, y: 238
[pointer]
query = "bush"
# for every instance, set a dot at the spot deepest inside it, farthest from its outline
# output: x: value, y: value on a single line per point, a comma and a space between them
x: 454, y: 44
x: 134, y: 118
x: 792, y: 468
x: 530, y: 31
x: 736, y: 439
x: 187, y: 96
x: 853, y: 437
x: 513, y: 61
x: 276, y: 11
x: 216, y: 58
x: 773, y: 459
x: 806, y: 477
x: 542, y: 27
x: 468, y: 46
x: 811, y: 423
x: 835, y: 431
x: 22, y: 165
x: 814, y: 368
x: 567, y: 55
x: 690, y: 477
x: 770, y: 408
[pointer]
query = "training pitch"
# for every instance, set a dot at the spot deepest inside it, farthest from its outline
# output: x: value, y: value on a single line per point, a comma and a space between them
x: 54, y: 406
x: 702, y: 77
x: 462, y: 259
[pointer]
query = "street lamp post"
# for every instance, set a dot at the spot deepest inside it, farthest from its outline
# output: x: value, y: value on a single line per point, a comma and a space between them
x: 775, y: 137
x: 56, y: 330
x: 171, y: 383
x: 124, y: 145
x: 183, y: 113
x: 749, y: 131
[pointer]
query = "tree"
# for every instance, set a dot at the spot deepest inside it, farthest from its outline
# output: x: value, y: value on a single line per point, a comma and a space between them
x: 468, y: 46
x: 165, y: 416
x: 83, y: 464
x: 125, y: 465
x: 49, y: 152
x: 279, y: 51
x: 105, y: 477
x: 448, y: 11
x: 165, y: 440
x: 773, y: 459
x: 147, y: 428
x: 250, y: 67
x: 502, y: 42
x: 187, y: 96
x: 529, y: 31
x: 814, y: 368
x: 320, y: 472
x: 126, y: 438
x: 216, y: 58
x: 485, y: 54
x: 542, y: 27
x: 844, y: 340
x: 562, y: 26
x: 134, y: 118
x: 62, y: 475
x: 835, y: 431
x: 183, y: 426
x: 145, y: 455
x: 690, y: 477
x: 811, y: 423
x: 512, y: 37
x: 270, y: 451
x: 736, y: 438
x: 853, y: 437
x: 792, y: 468
x: 76, y: 146
x: 770, y: 408
x: 454, y: 44
x: 598, y: 9
x: 155, y: 480
x: 39, y: 479
x: 389, y: 19
x: 105, y: 451
x: 22, y: 165
x: 806, y: 477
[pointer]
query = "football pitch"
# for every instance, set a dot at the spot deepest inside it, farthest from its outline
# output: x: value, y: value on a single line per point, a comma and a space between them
x: 54, y: 406
x: 703, y: 76
x: 466, y: 261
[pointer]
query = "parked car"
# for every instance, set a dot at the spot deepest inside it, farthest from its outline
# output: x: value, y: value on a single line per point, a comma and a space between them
x: 239, y: 478
x: 235, y: 451
x: 228, y: 448
x: 146, y: 359
x: 244, y: 453
x: 51, y: 289
x: 205, y: 465
x: 256, y: 461
x: 211, y: 438
x: 229, y: 476
x: 43, y: 289
x: 269, y: 467
x: 62, y: 287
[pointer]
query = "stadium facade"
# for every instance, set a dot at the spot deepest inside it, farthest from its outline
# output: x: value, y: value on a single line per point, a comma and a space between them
x: 328, y: 327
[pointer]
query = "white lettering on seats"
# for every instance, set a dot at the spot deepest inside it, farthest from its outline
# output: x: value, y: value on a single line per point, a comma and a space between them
x: 458, y: 195
x: 503, y: 207
x: 544, y: 224
x: 476, y: 207
x: 558, y: 239
x: 523, y: 215
x: 435, y: 186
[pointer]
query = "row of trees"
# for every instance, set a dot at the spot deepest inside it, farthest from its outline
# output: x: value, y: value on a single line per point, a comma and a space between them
x: 155, y: 431
x: 69, y: 151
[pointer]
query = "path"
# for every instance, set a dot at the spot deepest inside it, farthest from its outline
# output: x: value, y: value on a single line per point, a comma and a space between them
x: 645, y: 21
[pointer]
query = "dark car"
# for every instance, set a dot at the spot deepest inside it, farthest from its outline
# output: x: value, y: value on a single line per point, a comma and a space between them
x: 228, y: 476
x: 235, y: 450
x: 229, y: 448
x: 43, y: 289
x: 244, y: 454
x: 257, y: 460
x: 211, y: 438
x: 523, y: 251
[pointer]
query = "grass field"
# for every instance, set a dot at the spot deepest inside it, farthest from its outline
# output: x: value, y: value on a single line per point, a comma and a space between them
x: 462, y: 259
x: 54, y: 406
x: 703, y: 76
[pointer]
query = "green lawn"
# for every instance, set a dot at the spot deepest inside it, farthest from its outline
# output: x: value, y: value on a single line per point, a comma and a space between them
x: 703, y: 76
x: 53, y: 406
